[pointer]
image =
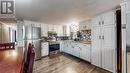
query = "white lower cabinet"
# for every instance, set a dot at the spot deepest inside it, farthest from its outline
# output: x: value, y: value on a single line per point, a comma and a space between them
x: 86, y: 52
x: 77, y: 49
x: 62, y: 46
x: 44, y: 49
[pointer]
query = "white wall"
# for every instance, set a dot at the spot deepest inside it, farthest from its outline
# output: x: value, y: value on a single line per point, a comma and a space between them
x: 5, y: 32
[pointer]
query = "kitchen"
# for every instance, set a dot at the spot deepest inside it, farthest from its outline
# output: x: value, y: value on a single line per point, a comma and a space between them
x: 79, y: 44
x: 73, y: 36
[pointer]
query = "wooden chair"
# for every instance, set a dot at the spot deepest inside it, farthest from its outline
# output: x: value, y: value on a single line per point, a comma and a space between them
x: 31, y: 62
x: 28, y: 67
x: 28, y: 53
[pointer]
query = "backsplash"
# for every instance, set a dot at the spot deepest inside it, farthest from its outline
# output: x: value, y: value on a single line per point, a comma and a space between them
x: 86, y: 35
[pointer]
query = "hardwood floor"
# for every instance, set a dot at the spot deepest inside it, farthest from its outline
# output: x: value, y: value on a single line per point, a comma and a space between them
x: 64, y: 63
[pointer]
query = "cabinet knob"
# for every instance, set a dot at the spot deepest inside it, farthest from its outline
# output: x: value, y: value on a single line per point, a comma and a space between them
x: 103, y: 37
x: 99, y: 23
x: 102, y: 22
x: 99, y: 37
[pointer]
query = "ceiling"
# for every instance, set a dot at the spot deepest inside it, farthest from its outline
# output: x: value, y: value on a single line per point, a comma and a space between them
x: 62, y: 11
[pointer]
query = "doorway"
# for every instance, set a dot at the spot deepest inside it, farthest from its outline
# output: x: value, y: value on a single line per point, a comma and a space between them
x: 119, y: 41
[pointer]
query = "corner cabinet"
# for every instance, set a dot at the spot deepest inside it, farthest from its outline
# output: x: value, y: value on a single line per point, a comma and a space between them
x: 103, y: 41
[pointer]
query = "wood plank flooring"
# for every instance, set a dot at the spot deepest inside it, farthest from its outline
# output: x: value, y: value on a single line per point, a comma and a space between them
x: 64, y: 63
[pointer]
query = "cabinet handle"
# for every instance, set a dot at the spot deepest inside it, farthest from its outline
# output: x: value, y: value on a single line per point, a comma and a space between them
x: 103, y: 37
x: 99, y: 37
x: 99, y: 23
x: 80, y: 48
x: 102, y: 22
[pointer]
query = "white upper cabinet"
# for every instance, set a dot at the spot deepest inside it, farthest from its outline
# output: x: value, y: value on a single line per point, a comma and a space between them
x: 51, y: 27
x: 66, y: 30
x: 128, y: 6
x: 59, y: 29
x: 108, y: 18
x: 85, y: 25
x: 44, y: 30
x: 96, y: 21
x: 104, y: 19
x: 123, y: 13
x: 103, y: 41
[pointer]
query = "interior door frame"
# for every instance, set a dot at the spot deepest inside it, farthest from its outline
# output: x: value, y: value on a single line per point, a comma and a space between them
x: 119, y: 40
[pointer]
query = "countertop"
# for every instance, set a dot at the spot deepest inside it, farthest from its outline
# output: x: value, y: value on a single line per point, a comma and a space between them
x: 82, y: 42
x: 85, y: 42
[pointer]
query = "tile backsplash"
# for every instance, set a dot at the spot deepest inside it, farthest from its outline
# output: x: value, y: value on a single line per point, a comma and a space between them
x: 86, y: 35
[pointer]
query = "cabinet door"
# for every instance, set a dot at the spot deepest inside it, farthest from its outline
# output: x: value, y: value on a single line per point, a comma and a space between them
x: 123, y: 13
x: 83, y: 52
x: 60, y: 31
x: 108, y: 47
x: 44, y: 30
x: 65, y: 46
x: 50, y: 28
x: 76, y: 50
x: 69, y: 48
x: 128, y: 6
x: 96, y: 46
x: 73, y: 49
x: 80, y: 26
x: 45, y: 49
x: 96, y: 21
x: 88, y: 53
x: 108, y: 18
x: 62, y: 46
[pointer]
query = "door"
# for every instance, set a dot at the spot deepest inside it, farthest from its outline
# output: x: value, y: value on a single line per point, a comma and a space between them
x: 96, y: 46
x: 108, y: 47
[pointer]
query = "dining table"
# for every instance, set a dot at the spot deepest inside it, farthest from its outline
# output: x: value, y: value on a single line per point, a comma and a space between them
x: 12, y: 61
